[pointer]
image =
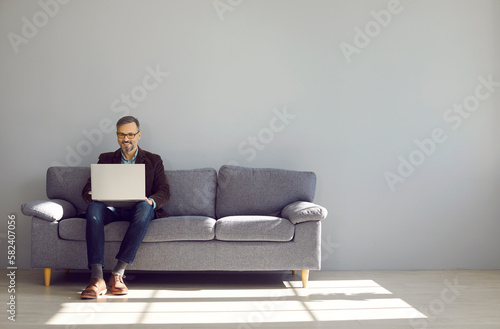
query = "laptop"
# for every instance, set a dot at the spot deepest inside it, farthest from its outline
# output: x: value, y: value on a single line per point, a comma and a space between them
x: 118, y: 185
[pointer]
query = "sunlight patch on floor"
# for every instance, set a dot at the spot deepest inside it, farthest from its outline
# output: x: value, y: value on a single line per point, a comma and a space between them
x: 343, y: 300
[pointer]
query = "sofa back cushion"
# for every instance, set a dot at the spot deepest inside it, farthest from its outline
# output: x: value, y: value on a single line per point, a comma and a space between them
x: 261, y: 191
x: 192, y: 192
x: 66, y: 183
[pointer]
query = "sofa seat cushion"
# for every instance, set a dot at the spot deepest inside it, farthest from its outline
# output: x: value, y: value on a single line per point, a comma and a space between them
x: 180, y: 228
x: 254, y: 228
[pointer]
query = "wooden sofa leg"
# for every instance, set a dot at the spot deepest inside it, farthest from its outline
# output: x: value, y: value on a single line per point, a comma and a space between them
x: 305, y: 277
x: 46, y: 273
x: 294, y: 272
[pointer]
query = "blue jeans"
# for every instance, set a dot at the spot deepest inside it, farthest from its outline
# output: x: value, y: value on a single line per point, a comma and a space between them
x: 98, y: 215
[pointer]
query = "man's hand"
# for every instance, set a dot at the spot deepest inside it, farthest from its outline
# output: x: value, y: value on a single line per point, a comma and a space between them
x: 148, y: 200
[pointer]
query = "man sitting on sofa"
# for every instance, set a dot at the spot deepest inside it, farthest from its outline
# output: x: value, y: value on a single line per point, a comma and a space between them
x: 139, y: 216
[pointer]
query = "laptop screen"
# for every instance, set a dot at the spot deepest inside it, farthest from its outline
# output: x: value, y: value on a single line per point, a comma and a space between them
x: 118, y: 183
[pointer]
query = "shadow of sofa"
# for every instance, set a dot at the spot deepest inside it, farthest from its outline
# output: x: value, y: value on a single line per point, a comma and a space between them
x: 239, y: 219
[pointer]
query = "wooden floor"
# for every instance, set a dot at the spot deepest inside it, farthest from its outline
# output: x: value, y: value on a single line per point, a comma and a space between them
x: 376, y: 300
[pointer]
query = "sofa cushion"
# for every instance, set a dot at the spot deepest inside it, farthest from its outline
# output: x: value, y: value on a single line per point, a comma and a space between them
x: 51, y: 210
x: 73, y: 229
x: 186, y: 228
x: 301, y: 211
x: 261, y: 191
x: 254, y: 228
x: 181, y: 228
x: 192, y: 192
x: 66, y: 183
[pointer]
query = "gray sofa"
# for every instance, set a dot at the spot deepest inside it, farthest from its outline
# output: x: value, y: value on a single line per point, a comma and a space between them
x: 239, y: 219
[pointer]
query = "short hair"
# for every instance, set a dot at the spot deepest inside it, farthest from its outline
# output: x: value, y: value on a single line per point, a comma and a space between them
x: 128, y: 119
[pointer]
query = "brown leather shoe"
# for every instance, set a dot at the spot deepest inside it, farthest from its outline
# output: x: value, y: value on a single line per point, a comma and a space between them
x: 117, y: 285
x: 96, y: 288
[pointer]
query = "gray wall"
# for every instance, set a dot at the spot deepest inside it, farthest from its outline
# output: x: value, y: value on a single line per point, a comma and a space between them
x: 395, y: 106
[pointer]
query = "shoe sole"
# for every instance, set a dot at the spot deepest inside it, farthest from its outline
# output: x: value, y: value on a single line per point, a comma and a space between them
x: 92, y: 297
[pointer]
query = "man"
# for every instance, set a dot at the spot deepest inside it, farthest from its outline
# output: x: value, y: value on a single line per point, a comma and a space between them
x: 139, y: 216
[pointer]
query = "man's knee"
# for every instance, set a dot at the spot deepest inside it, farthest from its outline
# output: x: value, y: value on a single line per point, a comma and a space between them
x: 144, y: 211
x: 142, y: 205
x: 95, y: 210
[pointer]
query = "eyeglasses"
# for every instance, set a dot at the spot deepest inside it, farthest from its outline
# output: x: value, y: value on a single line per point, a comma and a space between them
x: 129, y: 135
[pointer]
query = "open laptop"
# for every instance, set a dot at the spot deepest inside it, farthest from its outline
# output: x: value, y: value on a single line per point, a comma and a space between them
x: 118, y: 185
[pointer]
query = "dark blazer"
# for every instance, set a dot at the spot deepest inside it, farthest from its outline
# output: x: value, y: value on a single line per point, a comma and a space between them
x: 157, y: 187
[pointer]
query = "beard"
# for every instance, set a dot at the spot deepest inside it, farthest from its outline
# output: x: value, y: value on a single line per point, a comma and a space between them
x: 127, y: 146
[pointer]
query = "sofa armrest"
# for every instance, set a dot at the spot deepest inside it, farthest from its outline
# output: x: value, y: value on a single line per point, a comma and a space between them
x: 302, y: 211
x: 51, y: 210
